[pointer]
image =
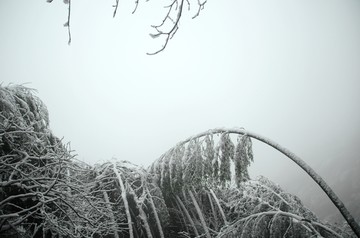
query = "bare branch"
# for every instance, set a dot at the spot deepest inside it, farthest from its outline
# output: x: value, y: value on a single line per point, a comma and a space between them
x: 116, y: 7
x: 201, y: 6
x: 136, y: 6
x: 169, y: 34
x: 67, y: 24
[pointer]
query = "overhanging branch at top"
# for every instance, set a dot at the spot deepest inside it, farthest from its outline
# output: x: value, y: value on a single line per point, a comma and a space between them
x: 166, y: 29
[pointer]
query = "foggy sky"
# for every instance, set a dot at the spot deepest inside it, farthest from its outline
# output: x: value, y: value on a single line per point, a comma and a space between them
x: 289, y: 70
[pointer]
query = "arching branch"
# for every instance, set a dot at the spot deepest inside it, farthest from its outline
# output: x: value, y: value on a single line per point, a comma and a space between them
x: 317, y: 178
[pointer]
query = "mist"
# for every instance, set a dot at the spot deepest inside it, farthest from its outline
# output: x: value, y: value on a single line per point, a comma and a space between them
x: 287, y: 70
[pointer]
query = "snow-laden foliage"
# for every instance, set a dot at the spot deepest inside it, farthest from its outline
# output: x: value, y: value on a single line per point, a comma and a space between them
x: 243, y: 157
x: 202, y: 161
x: 199, y: 188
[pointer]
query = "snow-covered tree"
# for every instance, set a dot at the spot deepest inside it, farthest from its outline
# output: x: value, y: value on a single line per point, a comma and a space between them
x: 40, y: 192
x: 190, y: 191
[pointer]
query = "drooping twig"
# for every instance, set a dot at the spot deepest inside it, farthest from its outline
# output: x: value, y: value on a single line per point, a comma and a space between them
x: 136, y: 6
x: 201, y: 6
x: 67, y: 24
x: 116, y: 7
x: 175, y: 6
x: 169, y: 34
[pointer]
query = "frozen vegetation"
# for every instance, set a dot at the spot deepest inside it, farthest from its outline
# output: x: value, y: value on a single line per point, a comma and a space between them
x: 198, y: 188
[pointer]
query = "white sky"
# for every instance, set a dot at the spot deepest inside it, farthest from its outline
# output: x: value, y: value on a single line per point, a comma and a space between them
x: 289, y: 70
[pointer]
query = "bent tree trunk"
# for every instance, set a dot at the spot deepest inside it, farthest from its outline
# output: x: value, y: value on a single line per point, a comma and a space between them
x: 126, y: 204
x: 187, y: 214
x: 202, y: 219
x: 219, y: 206
x: 157, y: 219
x: 319, y: 180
